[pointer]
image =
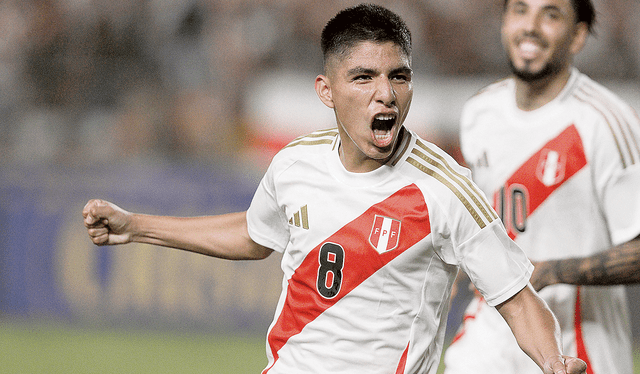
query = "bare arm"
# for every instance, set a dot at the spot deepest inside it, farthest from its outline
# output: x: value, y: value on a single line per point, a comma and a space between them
x: 538, y: 333
x: 223, y: 236
x: 618, y: 265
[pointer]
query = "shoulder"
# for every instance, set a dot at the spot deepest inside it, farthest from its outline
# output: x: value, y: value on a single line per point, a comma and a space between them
x: 599, y: 99
x: 488, y: 101
x: 307, y: 146
x: 423, y: 152
x: 602, y: 114
x: 448, y: 183
x: 314, y: 141
x: 491, y: 94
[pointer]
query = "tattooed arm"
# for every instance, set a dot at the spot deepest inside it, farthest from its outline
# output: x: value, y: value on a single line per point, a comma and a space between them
x: 618, y: 265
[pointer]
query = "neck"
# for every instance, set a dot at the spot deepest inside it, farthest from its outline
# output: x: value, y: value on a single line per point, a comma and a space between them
x: 356, y: 164
x: 356, y: 161
x: 531, y: 95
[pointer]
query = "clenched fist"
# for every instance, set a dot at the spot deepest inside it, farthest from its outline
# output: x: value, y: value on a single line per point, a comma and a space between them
x: 565, y: 365
x: 106, y: 223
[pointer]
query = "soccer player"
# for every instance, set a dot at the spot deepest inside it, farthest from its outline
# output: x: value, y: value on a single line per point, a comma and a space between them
x: 559, y: 154
x: 372, y: 221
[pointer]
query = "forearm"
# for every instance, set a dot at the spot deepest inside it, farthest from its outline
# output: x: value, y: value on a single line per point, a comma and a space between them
x: 618, y: 265
x: 533, y: 325
x: 223, y: 236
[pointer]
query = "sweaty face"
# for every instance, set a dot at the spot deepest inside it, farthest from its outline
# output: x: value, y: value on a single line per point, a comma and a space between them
x: 370, y: 90
x: 538, y: 36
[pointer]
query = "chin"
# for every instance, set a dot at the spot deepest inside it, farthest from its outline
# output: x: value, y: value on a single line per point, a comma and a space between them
x: 381, y: 154
x: 530, y: 75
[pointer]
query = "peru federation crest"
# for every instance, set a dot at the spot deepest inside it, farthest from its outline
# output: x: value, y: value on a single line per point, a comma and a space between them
x: 551, y: 167
x: 384, y: 234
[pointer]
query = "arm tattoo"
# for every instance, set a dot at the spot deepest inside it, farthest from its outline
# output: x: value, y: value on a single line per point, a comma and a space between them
x: 618, y: 265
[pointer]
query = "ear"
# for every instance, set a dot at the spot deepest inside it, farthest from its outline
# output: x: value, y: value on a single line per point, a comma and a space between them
x: 323, y: 89
x: 580, y: 38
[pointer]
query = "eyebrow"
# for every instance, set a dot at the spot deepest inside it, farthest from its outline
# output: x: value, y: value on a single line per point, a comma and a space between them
x: 547, y: 7
x: 359, y: 70
x: 402, y: 70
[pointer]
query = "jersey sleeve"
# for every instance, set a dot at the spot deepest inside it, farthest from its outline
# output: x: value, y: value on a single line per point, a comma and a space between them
x: 616, y: 163
x: 266, y: 220
x: 495, y: 264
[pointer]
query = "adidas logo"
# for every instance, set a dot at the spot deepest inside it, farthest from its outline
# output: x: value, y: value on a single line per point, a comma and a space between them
x: 300, y: 218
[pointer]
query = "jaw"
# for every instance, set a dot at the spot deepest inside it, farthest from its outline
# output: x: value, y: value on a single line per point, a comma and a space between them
x: 366, y: 152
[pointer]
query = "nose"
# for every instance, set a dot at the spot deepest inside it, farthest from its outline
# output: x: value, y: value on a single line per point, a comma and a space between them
x: 531, y: 22
x: 385, y: 93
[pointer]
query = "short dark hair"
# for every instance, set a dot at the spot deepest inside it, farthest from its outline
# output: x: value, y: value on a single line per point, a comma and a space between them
x: 585, y: 12
x: 364, y: 22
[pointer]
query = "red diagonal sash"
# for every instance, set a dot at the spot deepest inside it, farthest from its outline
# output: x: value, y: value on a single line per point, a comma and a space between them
x: 304, y: 303
x: 538, y: 178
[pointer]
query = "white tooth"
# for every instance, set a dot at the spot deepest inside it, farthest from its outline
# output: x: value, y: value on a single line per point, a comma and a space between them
x: 529, y: 47
x: 384, y: 116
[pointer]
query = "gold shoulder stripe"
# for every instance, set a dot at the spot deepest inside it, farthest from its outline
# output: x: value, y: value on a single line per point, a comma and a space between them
x: 614, y: 111
x: 589, y: 100
x: 310, y: 142
x: 464, y: 182
x: 479, y: 208
x: 315, y: 138
x: 619, y: 118
x: 460, y: 196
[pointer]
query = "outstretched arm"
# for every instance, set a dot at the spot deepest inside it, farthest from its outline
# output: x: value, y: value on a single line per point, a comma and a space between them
x: 618, y: 265
x: 538, y: 333
x: 223, y: 236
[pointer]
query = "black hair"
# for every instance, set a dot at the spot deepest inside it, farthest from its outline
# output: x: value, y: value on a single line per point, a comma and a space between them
x: 364, y: 22
x: 585, y: 12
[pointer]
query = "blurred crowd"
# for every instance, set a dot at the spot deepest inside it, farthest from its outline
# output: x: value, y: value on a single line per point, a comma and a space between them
x: 85, y: 81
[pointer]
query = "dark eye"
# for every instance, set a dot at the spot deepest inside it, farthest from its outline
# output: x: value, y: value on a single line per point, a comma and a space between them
x: 519, y: 8
x: 553, y: 14
x: 400, y: 78
x: 361, y: 77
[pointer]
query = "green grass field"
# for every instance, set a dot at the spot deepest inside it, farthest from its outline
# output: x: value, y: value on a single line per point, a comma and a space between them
x: 52, y: 349
x: 56, y: 349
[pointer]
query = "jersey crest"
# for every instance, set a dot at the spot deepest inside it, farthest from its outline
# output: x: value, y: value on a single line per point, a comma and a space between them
x: 385, y: 234
x: 551, y: 167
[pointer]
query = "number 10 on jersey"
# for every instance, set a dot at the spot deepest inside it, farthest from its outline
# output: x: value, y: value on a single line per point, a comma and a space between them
x: 511, y: 204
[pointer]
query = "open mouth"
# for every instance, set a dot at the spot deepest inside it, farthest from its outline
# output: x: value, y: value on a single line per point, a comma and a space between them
x: 530, y: 48
x: 382, y: 127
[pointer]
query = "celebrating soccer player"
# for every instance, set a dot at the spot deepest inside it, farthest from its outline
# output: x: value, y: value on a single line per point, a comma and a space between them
x: 373, y: 224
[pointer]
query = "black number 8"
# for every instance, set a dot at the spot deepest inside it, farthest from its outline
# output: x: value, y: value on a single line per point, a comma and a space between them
x: 331, y: 261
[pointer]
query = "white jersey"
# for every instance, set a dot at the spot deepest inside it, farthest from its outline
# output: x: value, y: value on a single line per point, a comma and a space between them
x: 565, y: 179
x: 369, y: 258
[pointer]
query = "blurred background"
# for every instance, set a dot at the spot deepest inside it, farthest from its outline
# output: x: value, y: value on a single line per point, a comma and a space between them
x: 176, y: 107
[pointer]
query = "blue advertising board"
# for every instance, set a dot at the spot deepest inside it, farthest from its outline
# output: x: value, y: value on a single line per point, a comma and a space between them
x: 50, y: 269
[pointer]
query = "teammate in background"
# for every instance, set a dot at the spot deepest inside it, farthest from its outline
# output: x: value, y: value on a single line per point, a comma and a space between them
x: 560, y: 156
x: 373, y: 224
